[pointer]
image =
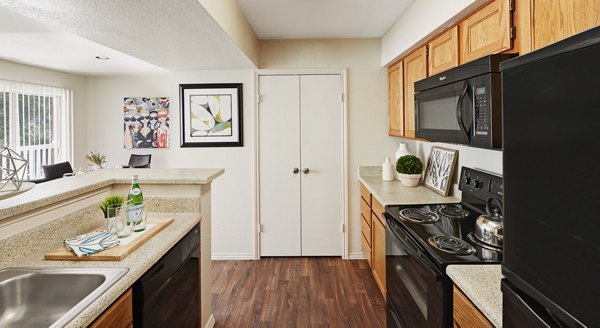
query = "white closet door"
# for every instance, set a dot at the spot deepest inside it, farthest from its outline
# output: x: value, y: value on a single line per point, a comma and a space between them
x: 321, y: 117
x: 279, y: 141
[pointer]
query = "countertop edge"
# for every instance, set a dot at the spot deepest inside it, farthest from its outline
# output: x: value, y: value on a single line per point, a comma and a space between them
x: 481, y: 284
x: 426, y: 196
x: 20, y: 204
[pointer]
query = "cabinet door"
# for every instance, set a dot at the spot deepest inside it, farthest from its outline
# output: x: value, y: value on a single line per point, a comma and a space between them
x: 378, y: 252
x: 118, y: 315
x: 415, y: 69
x: 443, y: 51
x: 554, y: 20
x: 279, y: 142
x: 321, y: 121
x: 396, y: 100
x: 486, y: 32
x: 466, y: 314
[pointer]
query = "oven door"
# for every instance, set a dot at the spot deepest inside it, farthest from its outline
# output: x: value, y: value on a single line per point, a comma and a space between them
x: 445, y: 113
x: 415, y: 288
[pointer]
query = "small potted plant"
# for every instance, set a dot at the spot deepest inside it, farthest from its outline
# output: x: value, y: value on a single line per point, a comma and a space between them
x: 110, y: 203
x: 96, y: 159
x: 409, y: 168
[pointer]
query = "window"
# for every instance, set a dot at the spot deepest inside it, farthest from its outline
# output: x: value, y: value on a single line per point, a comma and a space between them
x: 35, y: 121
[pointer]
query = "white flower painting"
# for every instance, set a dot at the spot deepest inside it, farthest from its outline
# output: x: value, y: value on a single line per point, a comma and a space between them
x: 440, y: 169
x: 211, y: 115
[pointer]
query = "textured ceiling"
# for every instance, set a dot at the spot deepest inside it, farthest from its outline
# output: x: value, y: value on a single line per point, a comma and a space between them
x: 175, y: 35
x: 322, y: 19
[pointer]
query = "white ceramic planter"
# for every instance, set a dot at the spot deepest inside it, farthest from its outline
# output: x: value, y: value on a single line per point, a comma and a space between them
x: 409, y: 180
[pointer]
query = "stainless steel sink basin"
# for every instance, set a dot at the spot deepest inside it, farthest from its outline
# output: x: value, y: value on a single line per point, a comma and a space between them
x: 50, y: 297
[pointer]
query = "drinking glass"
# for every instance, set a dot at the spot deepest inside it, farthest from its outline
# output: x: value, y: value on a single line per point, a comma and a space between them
x: 123, y: 229
x: 112, y: 218
x: 136, y: 217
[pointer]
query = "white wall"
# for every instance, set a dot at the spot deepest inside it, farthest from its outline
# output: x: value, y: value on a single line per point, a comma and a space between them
x: 368, y: 142
x: 418, y: 22
x: 232, y: 200
x: 484, y: 159
x: 105, y: 115
x: 25, y: 73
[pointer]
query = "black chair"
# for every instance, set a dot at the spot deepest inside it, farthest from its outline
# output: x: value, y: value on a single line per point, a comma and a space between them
x: 140, y: 161
x: 55, y: 171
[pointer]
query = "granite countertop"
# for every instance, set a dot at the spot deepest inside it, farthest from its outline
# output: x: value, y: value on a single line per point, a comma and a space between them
x: 57, y: 190
x: 27, y: 250
x: 394, y: 193
x: 481, y: 284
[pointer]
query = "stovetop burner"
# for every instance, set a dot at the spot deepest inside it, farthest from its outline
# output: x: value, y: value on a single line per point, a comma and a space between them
x: 453, y: 212
x: 451, y: 245
x: 418, y: 215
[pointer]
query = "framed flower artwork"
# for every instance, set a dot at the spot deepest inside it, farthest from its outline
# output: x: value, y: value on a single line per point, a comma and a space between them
x: 211, y: 115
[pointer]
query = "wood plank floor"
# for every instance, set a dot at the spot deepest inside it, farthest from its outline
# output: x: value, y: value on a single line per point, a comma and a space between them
x: 296, y: 292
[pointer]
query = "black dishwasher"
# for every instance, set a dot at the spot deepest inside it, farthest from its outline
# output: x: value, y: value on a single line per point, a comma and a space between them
x: 168, y: 295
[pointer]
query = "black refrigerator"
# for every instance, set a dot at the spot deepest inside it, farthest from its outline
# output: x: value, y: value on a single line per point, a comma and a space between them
x: 551, y: 164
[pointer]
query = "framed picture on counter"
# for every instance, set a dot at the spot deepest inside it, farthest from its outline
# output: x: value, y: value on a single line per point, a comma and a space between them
x: 211, y: 115
x: 440, y: 169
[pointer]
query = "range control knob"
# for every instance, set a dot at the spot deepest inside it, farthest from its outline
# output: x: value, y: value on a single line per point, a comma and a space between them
x: 467, y: 181
x: 476, y: 184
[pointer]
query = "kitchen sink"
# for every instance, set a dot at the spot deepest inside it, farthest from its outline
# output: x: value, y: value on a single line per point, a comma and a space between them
x: 50, y: 297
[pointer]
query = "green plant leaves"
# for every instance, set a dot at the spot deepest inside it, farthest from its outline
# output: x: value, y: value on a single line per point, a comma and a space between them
x: 409, y: 164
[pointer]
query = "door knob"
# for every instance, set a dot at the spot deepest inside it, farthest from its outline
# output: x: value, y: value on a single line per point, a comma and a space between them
x: 306, y: 171
x: 296, y: 170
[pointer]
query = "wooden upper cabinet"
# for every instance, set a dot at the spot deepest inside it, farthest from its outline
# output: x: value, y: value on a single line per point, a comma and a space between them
x: 488, y: 31
x: 443, y: 51
x: 415, y: 69
x: 554, y: 20
x: 396, y: 100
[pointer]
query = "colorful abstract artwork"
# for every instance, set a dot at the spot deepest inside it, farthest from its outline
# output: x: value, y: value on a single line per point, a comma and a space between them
x: 146, y: 122
x: 211, y: 115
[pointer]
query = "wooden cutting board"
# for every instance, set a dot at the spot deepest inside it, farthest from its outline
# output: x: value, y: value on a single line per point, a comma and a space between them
x: 118, y: 252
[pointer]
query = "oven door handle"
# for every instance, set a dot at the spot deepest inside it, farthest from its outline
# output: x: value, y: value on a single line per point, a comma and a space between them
x: 414, y: 252
x: 459, y: 115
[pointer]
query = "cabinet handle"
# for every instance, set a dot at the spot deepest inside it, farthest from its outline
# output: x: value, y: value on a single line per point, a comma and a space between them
x: 296, y: 170
x: 306, y: 171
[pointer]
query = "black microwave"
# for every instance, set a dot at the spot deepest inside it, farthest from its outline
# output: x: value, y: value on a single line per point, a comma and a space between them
x: 462, y: 105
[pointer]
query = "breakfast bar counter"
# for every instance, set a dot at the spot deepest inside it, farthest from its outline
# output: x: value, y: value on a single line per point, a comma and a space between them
x: 40, y: 219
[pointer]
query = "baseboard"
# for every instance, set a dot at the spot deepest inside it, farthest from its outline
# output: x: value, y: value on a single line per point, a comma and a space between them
x: 233, y: 256
x: 211, y: 322
x: 356, y: 256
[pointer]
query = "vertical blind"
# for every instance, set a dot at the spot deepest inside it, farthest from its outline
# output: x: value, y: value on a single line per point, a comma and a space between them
x: 35, y: 121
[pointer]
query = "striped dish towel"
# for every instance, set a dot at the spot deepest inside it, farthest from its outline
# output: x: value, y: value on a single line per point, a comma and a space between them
x: 90, y: 243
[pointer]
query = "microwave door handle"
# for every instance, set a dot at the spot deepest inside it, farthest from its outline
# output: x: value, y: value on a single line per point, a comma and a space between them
x: 459, y: 116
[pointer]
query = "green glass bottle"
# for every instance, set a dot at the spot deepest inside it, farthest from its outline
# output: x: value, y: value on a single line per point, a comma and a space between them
x: 135, y: 202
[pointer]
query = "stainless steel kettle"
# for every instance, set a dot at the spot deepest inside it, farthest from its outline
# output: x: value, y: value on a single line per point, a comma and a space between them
x: 489, y: 227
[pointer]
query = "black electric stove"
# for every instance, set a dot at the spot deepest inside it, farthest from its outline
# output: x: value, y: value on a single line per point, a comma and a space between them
x: 446, y: 231
x: 422, y: 240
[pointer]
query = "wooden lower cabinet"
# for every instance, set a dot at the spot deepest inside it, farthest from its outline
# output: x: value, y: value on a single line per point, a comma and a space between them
x: 378, y: 253
x: 118, y: 315
x: 366, y: 247
x: 465, y: 314
x: 372, y: 237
